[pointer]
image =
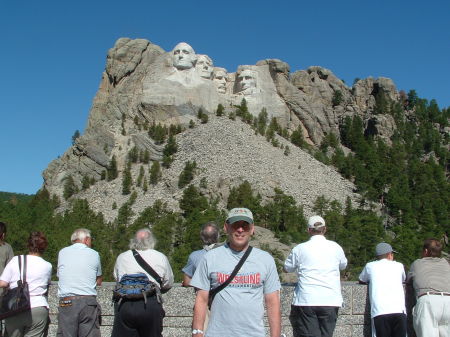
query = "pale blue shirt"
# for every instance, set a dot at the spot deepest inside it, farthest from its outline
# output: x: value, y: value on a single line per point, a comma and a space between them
x: 194, y: 259
x: 78, y: 268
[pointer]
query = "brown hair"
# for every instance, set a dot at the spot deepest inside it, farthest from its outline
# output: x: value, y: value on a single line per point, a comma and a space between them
x: 37, y: 242
x: 318, y: 230
x: 433, y: 247
x: 2, y: 228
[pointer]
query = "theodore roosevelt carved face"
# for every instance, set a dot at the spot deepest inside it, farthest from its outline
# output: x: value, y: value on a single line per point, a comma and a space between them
x: 204, y: 66
x: 183, y: 56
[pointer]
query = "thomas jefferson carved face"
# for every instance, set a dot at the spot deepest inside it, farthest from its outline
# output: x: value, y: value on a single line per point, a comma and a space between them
x: 204, y: 66
x: 247, y: 81
x: 220, y: 80
x: 183, y: 56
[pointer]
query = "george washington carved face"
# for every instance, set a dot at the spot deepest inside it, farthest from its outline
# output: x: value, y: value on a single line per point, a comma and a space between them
x: 183, y: 56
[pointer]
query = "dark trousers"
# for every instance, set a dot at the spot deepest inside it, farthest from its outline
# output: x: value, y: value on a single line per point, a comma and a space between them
x: 390, y: 325
x: 137, y: 319
x: 311, y: 321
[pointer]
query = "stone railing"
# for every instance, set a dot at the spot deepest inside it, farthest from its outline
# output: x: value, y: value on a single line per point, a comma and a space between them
x: 353, y: 320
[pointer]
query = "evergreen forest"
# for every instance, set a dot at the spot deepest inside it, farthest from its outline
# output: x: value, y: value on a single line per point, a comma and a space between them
x: 407, y: 180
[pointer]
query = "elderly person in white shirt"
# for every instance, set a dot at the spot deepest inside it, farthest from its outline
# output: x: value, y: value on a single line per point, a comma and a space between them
x: 317, y: 296
x: 141, y: 317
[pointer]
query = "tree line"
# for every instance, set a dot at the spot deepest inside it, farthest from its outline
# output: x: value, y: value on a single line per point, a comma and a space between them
x: 408, y: 178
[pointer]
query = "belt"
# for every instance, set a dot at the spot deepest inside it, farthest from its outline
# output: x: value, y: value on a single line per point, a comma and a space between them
x: 434, y: 293
x: 68, y: 298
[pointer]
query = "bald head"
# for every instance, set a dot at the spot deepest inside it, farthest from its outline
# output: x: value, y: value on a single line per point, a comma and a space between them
x: 143, y: 240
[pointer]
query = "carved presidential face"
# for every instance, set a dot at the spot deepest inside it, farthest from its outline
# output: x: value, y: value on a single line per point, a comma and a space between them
x: 204, y: 66
x: 247, y: 81
x: 220, y: 80
x: 183, y: 56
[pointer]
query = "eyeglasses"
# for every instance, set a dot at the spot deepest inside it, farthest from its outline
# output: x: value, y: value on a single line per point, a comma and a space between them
x: 238, y: 224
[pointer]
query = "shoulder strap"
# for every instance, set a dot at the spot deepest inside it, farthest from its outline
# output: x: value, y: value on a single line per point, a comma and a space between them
x: 147, y: 267
x: 24, y: 269
x: 214, y: 291
x: 19, y: 257
x: 22, y: 276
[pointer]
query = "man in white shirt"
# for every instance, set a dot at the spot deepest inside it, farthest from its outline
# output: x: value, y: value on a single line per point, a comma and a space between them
x: 387, y: 298
x: 317, y: 296
x: 142, y: 317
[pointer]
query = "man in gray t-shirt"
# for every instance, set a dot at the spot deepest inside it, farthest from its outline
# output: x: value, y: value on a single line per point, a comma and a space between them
x: 238, y: 309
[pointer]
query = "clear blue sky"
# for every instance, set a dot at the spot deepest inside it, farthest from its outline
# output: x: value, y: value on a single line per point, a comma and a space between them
x: 53, y: 54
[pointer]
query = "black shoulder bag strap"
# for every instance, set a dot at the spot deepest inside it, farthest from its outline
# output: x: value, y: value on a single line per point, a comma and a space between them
x: 147, y: 267
x: 213, y: 292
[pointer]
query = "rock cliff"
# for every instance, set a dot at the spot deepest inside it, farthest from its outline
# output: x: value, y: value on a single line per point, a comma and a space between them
x: 143, y: 85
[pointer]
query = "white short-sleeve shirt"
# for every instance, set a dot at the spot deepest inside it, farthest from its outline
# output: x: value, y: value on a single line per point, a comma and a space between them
x: 317, y: 262
x: 386, y: 292
x: 38, y: 276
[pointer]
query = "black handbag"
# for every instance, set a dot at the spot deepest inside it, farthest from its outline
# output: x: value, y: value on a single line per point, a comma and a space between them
x: 16, y: 300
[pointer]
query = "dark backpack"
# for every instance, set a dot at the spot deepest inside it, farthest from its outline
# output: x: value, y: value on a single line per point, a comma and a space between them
x: 135, y: 287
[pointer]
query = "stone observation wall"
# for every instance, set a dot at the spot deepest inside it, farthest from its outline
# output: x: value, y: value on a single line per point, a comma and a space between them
x: 353, y: 320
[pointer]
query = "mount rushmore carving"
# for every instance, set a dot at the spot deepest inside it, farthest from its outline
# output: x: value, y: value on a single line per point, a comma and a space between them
x: 144, y: 84
x: 190, y: 78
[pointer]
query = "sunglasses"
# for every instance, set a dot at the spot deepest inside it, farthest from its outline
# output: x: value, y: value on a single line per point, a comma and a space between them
x: 238, y: 224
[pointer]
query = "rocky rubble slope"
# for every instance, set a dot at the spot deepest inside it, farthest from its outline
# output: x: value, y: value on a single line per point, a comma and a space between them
x: 227, y: 153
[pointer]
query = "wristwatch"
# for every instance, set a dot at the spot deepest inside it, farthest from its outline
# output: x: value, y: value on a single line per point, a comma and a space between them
x: 197, y: 331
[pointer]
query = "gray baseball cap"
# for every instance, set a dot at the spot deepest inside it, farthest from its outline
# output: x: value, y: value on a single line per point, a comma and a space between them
x: 238, y: 214
x: 383, y: 248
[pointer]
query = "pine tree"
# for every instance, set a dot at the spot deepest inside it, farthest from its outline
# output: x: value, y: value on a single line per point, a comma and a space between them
x: 297, y: 138
x: 75, y: 136
x: 112, y: 172
x: 171, y: 146
x: 200, y: 113
x: 133, y: 155
x: 243, y: 196
x: 146, y: 157
x: 157, y: 132
x: 337, y: 98
x: 220, y: 110
x: 145, y: 185
x: 69, y: 187
x: 127, y: 180
x: 155, y: 173
x: 85, y: 183
x: 140, y: 177
x: 187, y: 174
x: 262, y: 121
x: 192, y: 200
